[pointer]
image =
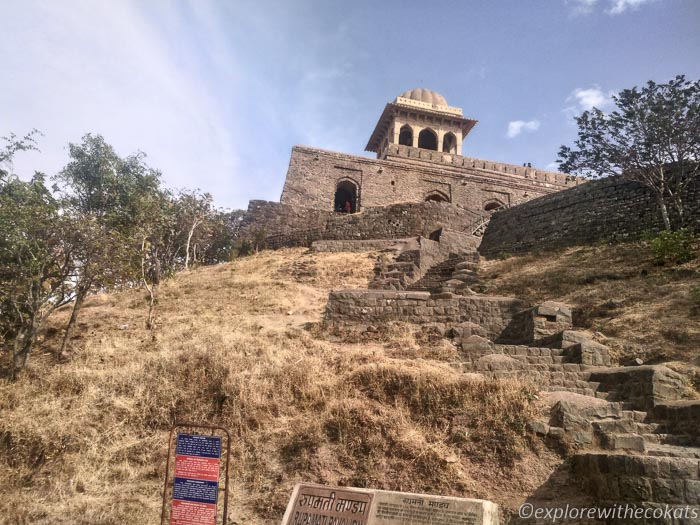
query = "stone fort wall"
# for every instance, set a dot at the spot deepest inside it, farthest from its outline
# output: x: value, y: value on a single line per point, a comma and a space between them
x: 608, y: 209
x: 410, y: 175
x: 285, y: 225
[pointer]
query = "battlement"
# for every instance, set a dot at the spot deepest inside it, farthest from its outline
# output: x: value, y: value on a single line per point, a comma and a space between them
x: 459, y: 161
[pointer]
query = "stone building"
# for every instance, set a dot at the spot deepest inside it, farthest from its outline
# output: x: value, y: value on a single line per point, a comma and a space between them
x: 418, y: 143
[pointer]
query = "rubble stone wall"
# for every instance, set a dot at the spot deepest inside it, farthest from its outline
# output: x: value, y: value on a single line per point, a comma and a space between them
x: 622, y: 478
x: 503, y: 318
x: 285, y: 225
x: 602, y: 210
x: 352, y: 246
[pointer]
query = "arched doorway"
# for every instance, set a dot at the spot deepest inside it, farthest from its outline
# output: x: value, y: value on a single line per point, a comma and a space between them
x: 406, y: 135
x: 436, y: 196
x: 493, y: 205
x: 345, y: 197
x: 449, y: 143
x: 427, y: 139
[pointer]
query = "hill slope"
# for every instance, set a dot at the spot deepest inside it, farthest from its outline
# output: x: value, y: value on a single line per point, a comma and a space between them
x: 85, y: 441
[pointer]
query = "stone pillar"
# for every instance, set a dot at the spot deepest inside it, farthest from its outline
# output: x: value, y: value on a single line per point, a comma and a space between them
x: 416, y: 132
x: 441, y: 138
x: 458, y: 135
x: 397, y: 131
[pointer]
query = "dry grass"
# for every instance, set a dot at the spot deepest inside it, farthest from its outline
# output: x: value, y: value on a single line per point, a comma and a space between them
x: 84, y: 442
x: 644, y: 310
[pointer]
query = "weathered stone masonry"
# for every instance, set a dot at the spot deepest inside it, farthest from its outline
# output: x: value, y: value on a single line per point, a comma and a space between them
x: 411, y: 175
x: 285, y: 225
x: 600, y: 210
x: 503, y: 318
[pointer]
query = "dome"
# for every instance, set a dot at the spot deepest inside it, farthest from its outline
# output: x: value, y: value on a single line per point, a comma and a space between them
x: 425, y: 95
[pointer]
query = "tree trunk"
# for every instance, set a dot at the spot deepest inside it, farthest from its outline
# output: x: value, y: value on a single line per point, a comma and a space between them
x: 187, y: 247
x: 664, y: 211
x: 153, y: 293
x: 79, y: 298
x: 22, y: 346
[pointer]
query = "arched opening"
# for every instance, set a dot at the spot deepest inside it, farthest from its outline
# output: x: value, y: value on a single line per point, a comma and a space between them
x: 435, y: 236
x: 449, y: 143
x: 436, y: 196
x: 493, y: 205
x: 345, y: 197
x: 427, y: 139
x: 406, y: 136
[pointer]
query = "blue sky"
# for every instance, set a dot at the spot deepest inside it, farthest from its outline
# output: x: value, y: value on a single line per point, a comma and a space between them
x: 216, y: 93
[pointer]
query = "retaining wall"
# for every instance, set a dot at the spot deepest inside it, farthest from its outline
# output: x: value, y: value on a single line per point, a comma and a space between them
x: 601, y: 210
x: 503, y: 318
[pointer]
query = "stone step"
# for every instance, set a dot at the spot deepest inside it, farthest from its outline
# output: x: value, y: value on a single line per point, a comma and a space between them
x: 614, y: 425
x: 582, y: 391
x: 672, y: 451
x: 623, y: 441
x: 541, y: 359
x: 520, y: 350
x: 540, y: 375
x: 550, y: 367
x: 679, y: 440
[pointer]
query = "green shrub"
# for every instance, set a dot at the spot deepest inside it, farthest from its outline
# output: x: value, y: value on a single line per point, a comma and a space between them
x: 672, y: 246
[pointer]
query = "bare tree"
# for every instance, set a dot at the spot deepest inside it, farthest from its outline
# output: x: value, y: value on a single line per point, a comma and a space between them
x: 652, y: 138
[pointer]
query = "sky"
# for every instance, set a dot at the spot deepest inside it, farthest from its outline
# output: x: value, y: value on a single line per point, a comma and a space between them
x: 216, y: 93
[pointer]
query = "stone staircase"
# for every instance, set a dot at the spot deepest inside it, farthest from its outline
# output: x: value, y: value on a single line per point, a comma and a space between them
x: 552, y: 369
x: 629, y: 436
x: 437, y: 275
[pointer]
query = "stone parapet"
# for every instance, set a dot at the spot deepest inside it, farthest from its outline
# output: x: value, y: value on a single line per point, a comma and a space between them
x: 370, y: 245
x: 610, y: 209
x: 282, y: 225
x: 502, y: 318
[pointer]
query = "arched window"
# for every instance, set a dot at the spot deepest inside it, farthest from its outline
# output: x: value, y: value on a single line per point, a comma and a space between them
x: 427, y: 139
x: 493, y: 205
x: 437, y: 196
x: 406, y: 136
x: 345, y: 197
x: 449, y: 143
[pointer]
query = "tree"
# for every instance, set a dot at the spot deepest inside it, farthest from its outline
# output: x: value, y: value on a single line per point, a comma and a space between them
x: 653, y: 138
x: 35, y: 263
x: 12, y: 146
x: 192, y: 210
x: 101, y: 193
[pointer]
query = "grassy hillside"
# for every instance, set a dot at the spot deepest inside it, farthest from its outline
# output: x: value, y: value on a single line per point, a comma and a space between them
x: 84, y: 441
x: 640, y: 308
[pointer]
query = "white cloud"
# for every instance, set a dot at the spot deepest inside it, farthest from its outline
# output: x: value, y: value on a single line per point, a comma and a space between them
x: 106, y: 68
x: 581, y: 7
x: 616, y: 7
x: 202, y: 87
x: 620, y: 6
x: 516, y: 127
x: 585, y: 99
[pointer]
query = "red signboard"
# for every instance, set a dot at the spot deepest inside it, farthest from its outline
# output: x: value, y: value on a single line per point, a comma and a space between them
x: 195, y: 467
x: 194, y: 488
x: 192, y: 513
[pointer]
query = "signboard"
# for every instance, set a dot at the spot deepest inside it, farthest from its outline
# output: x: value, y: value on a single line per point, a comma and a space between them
x: 196, y: 482
x: 192, y: 480
x: 328, y: 505
x: 322, y: 505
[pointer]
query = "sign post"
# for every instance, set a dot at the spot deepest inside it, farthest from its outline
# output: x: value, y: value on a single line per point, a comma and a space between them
x: 195, y: 476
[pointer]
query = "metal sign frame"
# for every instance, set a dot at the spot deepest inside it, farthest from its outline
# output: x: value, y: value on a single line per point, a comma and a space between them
x: 210, y: 429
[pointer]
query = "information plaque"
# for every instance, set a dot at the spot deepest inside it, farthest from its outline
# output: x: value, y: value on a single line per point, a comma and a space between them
x: 196, y: 482
x: 191, y: 490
